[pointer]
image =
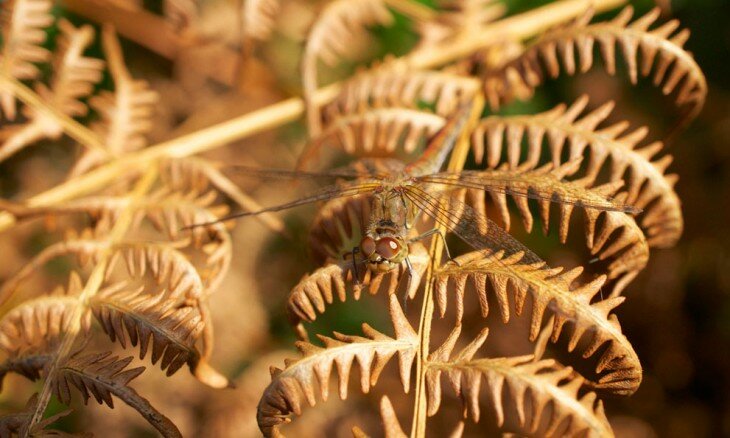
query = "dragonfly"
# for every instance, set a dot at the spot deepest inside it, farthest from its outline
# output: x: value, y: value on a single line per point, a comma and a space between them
x: 399, y: 197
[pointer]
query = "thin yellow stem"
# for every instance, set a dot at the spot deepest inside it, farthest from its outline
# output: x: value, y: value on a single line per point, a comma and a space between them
x: 96, y: 279
x: 456, y: 163
x: 71, y: 127
x: 520, y: 26
x: 113, y: 53
x: 517, y: 27
x: 413, y: 10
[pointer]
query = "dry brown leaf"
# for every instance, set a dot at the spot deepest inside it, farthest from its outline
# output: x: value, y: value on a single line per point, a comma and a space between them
x: 570, y: 48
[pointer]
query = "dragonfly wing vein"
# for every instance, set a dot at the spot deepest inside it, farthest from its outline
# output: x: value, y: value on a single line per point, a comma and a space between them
x: 476, y: 230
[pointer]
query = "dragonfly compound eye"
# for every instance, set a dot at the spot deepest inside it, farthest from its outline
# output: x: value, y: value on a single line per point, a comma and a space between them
x: 367, y: 246
x: 388, y: 248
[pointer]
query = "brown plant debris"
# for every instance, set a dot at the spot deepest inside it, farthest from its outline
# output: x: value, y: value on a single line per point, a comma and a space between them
x: 314, y: 292
x: 22, y: 23
x: 510, y: 383
x: 553, y: 290
x: 74, y: 78
x: 173, y: 327
x: 498, y: 139
x: 339, y: 21
x: 102, y: 375
x: 294, y: 385
x: 571, y: 47
x: 259, y: 17
x: 378, y: 132
x: 395, y: 84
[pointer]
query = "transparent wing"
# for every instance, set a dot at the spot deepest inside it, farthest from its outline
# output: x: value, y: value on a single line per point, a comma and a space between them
x: 258, y: 172
x: 476, y: 230
x: 323, y: 194
x: 535, y: 188
x: 366, y: 168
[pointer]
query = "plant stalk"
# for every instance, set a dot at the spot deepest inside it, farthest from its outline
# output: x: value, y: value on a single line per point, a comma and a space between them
x: 92, y: 286
x: 456, y: 163
x: 520, y: 26
x: 85, y: 136
x: 413, y: 10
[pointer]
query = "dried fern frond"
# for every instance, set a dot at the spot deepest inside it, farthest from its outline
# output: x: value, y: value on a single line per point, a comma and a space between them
x: 297, y: 383
x: 159, y: 212
x: 314, y: 292
x: 389, y: 107
x: 167, y: 265
x: 610, y: 235
x: 396, y: 84
x: 662, y: 56
x: 469, y: 15
x: 174, y: 212
x: 458, y: 19
x: 259, y: 17
x: 126, y: 114
x: 103, y: 375
x: 16, y: 424
x: 180, y: 211
x: 31, y: 332
x: 338, y: 227
x: 22, y: 23
x: 379, y: 132
x: 37, y: 323
x: 551, y: 289
x: 181, y: 13
x: 553, y: 390
x: 164, y: 260
x: 195, y: 174
x: 74, y: 78
x: 173, y: 326
x: 29, y: 364
x: 170, y: 212
x: 74, y: 74
x: 339, y: 22
x: 499, y: 139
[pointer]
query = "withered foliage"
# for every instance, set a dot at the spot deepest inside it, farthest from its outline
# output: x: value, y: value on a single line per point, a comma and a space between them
x: 147, y: 236
x: 570, y: 48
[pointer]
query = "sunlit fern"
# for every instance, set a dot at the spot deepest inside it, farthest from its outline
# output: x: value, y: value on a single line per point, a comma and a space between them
x: 389, y: 110
x: 395, y: 99
x: 161, y: 297
x: 570, y: 48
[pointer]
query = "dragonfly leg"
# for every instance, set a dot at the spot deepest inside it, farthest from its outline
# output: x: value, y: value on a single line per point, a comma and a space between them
x: 405, y: 208
x: 411, y: 272
x: 443, y: 239
x: 355, y: 250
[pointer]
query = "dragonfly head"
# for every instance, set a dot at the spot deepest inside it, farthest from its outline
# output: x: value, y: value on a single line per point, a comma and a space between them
x: 383, y: 254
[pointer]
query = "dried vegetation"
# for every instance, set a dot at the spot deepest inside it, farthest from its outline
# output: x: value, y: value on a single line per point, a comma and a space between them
x: 140, y: 227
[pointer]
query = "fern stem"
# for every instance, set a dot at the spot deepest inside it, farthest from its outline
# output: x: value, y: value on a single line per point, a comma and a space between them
x: 74, y: 129
x: 127, y: 394
x: 456, y: 163
x: 514, y: 28
x: 412, y: 9
x: 521, y: 26
x: 96, y: 279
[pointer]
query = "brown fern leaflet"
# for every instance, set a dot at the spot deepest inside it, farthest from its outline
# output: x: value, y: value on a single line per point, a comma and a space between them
x: 419, y: 220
